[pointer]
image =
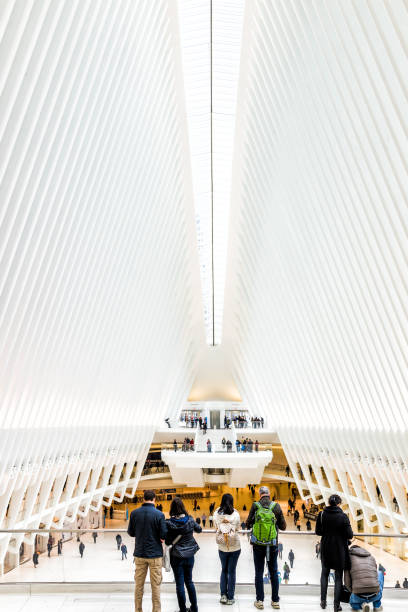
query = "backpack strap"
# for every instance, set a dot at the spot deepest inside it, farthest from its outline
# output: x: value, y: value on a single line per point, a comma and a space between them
x: 272, y: 505
x: 258, y: 505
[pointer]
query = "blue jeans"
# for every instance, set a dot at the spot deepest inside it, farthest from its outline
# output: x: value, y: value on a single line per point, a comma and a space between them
x: 229, y: 562
x: 356, y: 601
x: 183, y: 575
x: 259, y: 562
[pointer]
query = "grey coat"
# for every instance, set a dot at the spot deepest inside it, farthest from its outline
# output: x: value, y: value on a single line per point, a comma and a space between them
x: 362, y: 578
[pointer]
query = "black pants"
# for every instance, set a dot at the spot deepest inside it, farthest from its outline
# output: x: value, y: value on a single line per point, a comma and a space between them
x: 338, y: 582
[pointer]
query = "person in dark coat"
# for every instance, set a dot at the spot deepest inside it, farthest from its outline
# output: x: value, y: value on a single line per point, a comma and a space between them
x: 35, y: 559
x: 59, y: 547
x: 118, y: 540
x: 81, y: 549
x: 182, y: 526
x: 334, y: 527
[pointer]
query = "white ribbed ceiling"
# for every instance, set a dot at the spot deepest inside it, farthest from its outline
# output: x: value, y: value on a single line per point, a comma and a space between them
x: 317, y: 301
x: 105, y: 176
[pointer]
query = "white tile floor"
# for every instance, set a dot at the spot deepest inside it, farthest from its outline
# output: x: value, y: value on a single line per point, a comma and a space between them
x: 119, y: 602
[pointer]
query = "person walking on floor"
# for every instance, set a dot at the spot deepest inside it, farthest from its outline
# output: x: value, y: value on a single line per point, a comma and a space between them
x: 94, y: 535
x: 81, y: 548
x: 265, y: 518
x: 204, y: 519
x: 363, y: 580
x: 180, y: 529
x: 291, y: 557
x: 148, y: 526
x: 123, y: 550
x: 334, y: 527
x: 35, y: 559
x: 49, y: 547
x: 59, y: 547
x: 280, y: 550
x: 227, y: 522
x: 118, y: 540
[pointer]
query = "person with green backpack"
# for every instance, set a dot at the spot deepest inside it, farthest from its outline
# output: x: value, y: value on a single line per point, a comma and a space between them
x: 265, y: 519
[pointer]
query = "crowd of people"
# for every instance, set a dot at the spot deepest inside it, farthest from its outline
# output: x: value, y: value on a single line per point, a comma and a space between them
x: 353, y: 569
x: 246, y: 445
x: 193, y: 420
x: 186, y: 445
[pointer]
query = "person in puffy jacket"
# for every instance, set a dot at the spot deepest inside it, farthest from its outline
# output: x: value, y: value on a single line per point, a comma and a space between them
x: 227, y: 522
x: 363, y: 580
x: 180, y: 529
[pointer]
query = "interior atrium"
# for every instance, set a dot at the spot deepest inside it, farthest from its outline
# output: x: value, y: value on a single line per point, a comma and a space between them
x: 204, y: 284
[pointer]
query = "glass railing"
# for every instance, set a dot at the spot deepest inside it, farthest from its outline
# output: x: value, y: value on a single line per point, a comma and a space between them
x: 215, y: 447
x: 105, y: 560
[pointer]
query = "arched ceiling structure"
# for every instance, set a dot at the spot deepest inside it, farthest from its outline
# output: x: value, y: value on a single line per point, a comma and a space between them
x: 105, y: 171
x: 316, y: 312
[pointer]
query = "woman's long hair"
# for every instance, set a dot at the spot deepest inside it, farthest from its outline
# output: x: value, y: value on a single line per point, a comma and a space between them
x: 177, y: 507
x: 227, y: 504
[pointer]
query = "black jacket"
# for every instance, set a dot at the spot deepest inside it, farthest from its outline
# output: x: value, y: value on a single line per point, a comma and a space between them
x: 184, y: 526
x: 334, y: 527
x: 148, y: 526
x: 277, y: 510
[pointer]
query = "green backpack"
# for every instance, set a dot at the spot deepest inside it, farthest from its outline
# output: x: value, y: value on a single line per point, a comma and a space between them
x: 264, y: 529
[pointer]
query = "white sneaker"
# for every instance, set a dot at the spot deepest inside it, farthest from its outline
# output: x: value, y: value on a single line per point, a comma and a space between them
x: 223, y: 599
x: 259, y: 605
x: 275, y: 605
x: 366, y: 607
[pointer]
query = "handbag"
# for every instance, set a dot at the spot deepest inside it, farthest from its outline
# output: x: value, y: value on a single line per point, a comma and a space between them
x: 345, y: 594
x: 166, y: 554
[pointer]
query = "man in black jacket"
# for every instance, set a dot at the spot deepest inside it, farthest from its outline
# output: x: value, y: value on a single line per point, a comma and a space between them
x: 334, y: 527
x: 148, y: 526
x: 260, y: 552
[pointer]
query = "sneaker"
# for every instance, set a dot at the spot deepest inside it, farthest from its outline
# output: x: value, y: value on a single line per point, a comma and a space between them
x: 275, y: 605
x: 223, y: 599
x: 380, y: 608
x: 259, y: 605
x: 230, y: 602
x: 323, y: 605
x: 366, y: 607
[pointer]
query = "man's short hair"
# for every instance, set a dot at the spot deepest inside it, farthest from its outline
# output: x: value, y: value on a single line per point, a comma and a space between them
x: 264, y: 491
x: 149, y: 495
x: 334, y: 500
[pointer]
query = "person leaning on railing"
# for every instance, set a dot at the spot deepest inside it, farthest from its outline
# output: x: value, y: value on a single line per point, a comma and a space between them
x: 266, y: 550
x: 147, y: 525
x: 334, y: 527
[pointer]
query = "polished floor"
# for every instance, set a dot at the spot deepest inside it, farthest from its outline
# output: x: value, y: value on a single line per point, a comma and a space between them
x: 102, y: 562
x: 119, y: 602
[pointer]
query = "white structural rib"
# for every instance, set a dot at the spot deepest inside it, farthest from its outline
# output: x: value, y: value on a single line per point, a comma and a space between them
x: 316, y: 313
x: 101, y: 312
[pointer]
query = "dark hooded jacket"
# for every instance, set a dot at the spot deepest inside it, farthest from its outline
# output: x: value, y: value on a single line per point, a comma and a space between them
x: 183, y: 526
x: 362, y: 578
x: 334, y: 527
